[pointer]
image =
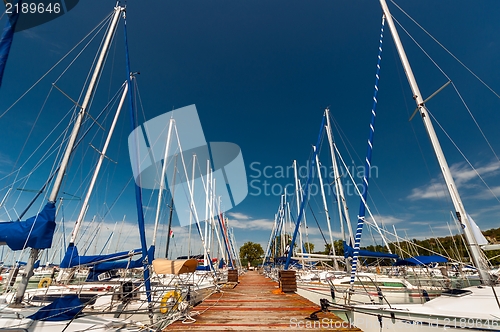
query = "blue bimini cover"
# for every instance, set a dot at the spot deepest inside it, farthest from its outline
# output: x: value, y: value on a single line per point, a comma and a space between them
x: 36, y: 232
x: 63, y: 308
x: 349, y: 252
x: 120, y: 264
x: 72, y: 258
x: 421, y: 260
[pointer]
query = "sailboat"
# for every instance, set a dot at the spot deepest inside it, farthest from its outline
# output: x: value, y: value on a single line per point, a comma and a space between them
x: 474, y: 308
x: 368, y: 287
x: 66, y: 312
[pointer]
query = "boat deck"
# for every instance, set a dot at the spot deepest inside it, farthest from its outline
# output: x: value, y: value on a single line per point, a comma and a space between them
x: 256, y: 304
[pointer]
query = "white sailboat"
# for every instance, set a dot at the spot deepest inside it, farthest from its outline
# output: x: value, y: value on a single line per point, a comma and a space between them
x: 66, y: 312
x: 474, y: 308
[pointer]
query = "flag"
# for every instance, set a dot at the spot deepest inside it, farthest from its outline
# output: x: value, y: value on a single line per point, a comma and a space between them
x: 171, y: 234
x: 7, y: 37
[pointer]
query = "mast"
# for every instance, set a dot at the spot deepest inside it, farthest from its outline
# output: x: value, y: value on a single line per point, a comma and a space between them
x: 306, y: 195
x: 102, y: 155
x: 327, y: 214
x: 339, y: 189
x: 147, y: 256
x: 71, y: 142
x: 474, y: 248
x: 162, y: 185
x: 297, y: 193
x: 169, y: 228
x: 367, y: 168
x: 207, y: 203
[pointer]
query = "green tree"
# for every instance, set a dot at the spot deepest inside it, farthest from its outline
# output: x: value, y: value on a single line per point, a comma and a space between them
x: 251, y: 252
x: 309, y: 247
x: 339, y: 248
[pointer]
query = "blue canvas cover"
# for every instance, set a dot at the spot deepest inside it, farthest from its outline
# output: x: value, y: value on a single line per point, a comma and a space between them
x: 36, y: 232
x: 421, y: 260
x: 121, y: 264
x: 63, y: 308
x: 348, y: 252
x: 72, y: 258
x: 8, y: 37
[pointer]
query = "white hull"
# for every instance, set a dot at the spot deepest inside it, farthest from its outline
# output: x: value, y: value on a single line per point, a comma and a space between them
x: 474, y: 309
x: 16, y: 319
x: 315, y: 292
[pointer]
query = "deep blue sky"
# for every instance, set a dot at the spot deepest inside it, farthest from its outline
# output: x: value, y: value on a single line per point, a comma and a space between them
x: 260, y: 74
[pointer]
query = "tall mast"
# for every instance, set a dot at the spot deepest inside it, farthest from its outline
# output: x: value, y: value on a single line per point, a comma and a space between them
x: 367, y: 169
x: 71, y: 142
x: 102, y: 155
x: 474, y: 248
x: 162, y: 183
x: 339, y: 189
x: 327, y: 214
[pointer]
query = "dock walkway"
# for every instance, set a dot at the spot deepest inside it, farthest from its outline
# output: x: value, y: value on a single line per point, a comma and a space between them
x: 257, y: 304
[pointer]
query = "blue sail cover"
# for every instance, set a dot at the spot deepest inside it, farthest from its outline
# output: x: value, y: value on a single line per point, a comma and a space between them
x: 72, y: 258
x: 121, y: 264
x: 7, y: 37
x: 36, y: 232
x: 421, y: 260
x: 348, y: 252
x: 63, y: 308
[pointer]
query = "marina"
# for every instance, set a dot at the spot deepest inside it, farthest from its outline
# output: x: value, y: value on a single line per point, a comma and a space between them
x: 147, y: 202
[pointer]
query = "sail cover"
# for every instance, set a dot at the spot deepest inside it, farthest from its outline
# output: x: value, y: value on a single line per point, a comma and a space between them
x: 63, y: 308
x: 115, y: 265
x: 35, y: 232
x: 421, y: 260
x: 8, y: 37
x: 349, y: 251
x: 72, y: 258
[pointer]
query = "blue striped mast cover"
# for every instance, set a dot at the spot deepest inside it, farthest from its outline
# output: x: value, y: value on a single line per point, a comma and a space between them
x: 364, y: 193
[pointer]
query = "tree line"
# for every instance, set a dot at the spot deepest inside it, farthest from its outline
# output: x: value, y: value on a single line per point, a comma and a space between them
x: 452, y: 247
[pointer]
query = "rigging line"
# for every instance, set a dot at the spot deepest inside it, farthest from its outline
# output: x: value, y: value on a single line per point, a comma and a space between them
x: 474, y: 119
x: 317, y: 223
x: 449, y: 52
x: 32, y: 128
x: 54, y: 66
x: 80, y: 53
x: 47, y: 182
x: 417, y: 140
x: 39, y: 147
x: 343, y: 138
x: 406, y: 239
x: 465, y: 158
x: 454, y: 86
x: 39, y: 163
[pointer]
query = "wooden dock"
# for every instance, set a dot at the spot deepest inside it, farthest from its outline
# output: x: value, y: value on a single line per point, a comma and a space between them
x: 257, y: 304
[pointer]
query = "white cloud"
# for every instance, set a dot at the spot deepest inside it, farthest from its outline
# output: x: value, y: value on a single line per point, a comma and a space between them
x: 243, y: 221
x: 462, y: 173
x: 434, y: 190
x: 385, y: 220
x: 465, y: 178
